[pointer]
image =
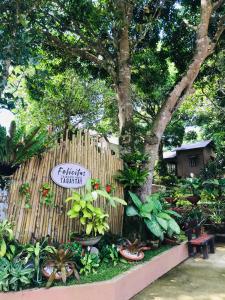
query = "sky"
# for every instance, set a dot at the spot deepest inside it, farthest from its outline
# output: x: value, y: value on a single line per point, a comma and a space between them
x: 5, y: 118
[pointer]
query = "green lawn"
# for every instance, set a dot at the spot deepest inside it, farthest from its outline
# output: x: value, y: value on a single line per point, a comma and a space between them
x: 107, y: 271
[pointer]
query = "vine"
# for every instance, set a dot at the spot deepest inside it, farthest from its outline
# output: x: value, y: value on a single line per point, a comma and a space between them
x: 47, y: 196
x: 24, y: 191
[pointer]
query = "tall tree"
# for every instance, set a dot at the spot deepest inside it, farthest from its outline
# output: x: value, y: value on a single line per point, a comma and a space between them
x: 107, y: 35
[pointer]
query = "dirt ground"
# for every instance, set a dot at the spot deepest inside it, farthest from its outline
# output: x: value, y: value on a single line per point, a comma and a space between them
x: 195, y: 279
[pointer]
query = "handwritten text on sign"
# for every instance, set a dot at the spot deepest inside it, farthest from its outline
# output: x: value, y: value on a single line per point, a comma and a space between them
x: 70, y: 175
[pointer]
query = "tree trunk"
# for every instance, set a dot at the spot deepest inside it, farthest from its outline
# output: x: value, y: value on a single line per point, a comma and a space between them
x: 161, y: 166
x: 5, y: 75
x: 204, y: 48
x: 123, y: 80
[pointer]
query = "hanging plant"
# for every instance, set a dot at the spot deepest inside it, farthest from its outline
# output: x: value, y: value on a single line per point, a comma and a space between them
x: 110, y: 188
x: 24, y: 191
x: 47, y: 196
x: 95, y: 183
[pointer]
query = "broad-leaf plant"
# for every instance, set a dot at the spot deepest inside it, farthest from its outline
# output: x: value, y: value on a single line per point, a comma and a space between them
x: 158, y: 220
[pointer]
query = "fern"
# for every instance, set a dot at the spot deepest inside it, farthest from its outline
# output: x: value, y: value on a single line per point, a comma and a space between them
x: 19, y: 146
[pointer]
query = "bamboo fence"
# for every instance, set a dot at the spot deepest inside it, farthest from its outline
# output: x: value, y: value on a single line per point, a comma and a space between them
x: 41, y: 220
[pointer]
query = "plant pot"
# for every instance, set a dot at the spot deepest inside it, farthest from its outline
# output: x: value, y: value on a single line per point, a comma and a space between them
x: 87, y: 241
x: 131, y: 256
x: 48, y: 269
x: 193, y: 199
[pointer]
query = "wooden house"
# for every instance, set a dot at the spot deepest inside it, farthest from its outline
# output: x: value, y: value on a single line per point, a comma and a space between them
x: 189, y: 158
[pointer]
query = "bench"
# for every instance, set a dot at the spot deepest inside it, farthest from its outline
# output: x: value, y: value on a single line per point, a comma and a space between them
x: 201, y: 242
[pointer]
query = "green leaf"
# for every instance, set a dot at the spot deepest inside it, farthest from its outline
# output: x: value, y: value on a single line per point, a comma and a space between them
x: 12, y: 248
x: 103, y: 194
x: 173, y: 213
x: 10, y: 233
x: 82, y: 203
x: 88, y: 185
x: 83, y: 221
x: 147, y: 207
x: 76, y: 208
x: 75, y: 196
x: 136, y: 200
x: 163, y: 223
x: 146, y: 215
x: 86, y: 214
x: 174, y: 226
x: 131, y: 211
x: 90, y: 207
x: 72, y: 214
x: 119, y: 200
x: 164, y: 215
x: 2, y: 248
x: 88, y: 197
x: 154, y: 227
x: 37, y: 249
x: 89, y: 228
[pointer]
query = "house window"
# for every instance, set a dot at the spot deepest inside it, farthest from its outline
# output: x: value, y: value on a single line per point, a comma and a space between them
x: 193, y: 161
x: 171, y: 167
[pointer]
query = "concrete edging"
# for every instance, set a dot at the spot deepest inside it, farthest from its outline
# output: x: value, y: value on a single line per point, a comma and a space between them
x: 121, y: 287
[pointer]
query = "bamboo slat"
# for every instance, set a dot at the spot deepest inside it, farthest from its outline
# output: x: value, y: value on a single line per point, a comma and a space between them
x: 53, y: 221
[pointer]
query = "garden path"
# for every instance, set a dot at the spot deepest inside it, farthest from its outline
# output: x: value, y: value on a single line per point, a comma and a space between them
x: 195, y: 279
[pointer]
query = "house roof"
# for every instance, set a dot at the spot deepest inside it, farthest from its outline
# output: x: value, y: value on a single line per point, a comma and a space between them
x: 167, y: 155
x: 201, y: 144
x: 198, y: 145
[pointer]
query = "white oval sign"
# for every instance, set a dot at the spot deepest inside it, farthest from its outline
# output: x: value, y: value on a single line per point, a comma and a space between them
x: 70, y: 175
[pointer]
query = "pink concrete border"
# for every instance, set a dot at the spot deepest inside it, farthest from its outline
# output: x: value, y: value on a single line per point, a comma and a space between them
x: 121, y: 287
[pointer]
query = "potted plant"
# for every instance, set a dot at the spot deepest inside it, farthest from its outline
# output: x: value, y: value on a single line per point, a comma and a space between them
x: 191, y: 189
x: 59, y: 266
x: 93, y: 219
x: 133, y: 251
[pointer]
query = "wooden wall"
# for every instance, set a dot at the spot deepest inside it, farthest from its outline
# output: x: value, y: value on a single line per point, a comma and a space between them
x: 41, y: 220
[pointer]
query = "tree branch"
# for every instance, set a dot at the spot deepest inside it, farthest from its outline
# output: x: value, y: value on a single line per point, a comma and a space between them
x: 220, y: 29
x: 218, y: 4
x: 184, y: 87
x: 83, y: 53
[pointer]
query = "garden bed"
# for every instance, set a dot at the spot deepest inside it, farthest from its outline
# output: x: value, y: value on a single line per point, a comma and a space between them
x: 121, y: 287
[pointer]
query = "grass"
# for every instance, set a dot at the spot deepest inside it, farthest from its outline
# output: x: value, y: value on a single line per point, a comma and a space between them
x: 107, y: 271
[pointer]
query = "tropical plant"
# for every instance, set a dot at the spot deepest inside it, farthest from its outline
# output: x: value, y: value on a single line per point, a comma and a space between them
x: 6, y: 235
x: 92, y: 218
x: 73, y: 247
x: 133, y: 175
x: 19, y: 146
x: 60, y: 263
x: 136, y: 247
x: 20, y: 276
x: 4, y: 274
x: 38, y: 253
x: 191, y: 186
x: 131, y: 178
x: 14, y: 275
x: 158, y: 220
x: 110, y: 253
x: 90, y: 262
